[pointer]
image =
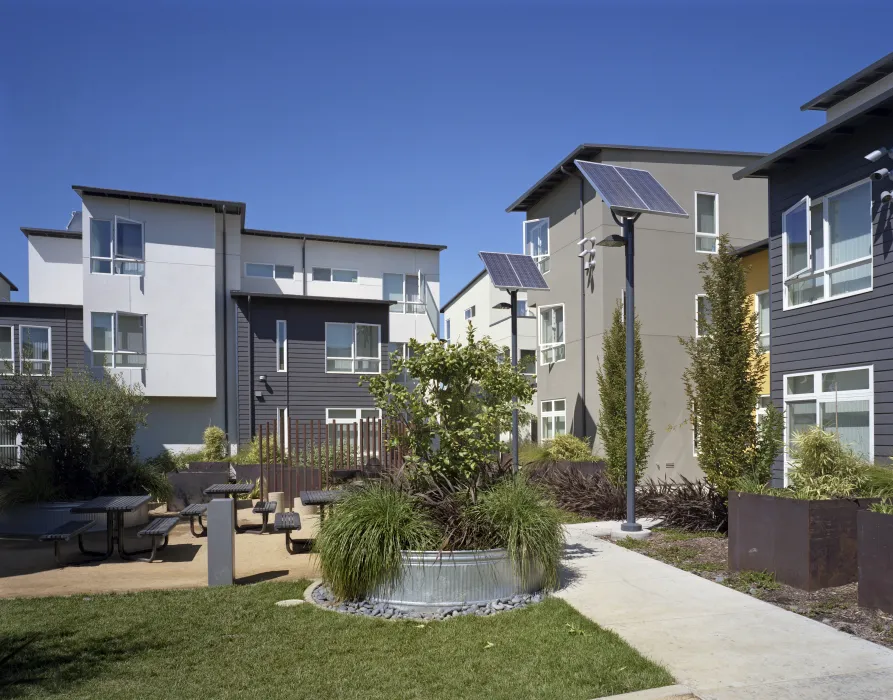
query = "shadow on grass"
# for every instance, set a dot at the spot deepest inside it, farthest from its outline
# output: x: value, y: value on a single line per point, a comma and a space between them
x: 57, y: 663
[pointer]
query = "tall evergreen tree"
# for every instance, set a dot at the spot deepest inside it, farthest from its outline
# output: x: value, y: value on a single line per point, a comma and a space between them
x: 723, y: 381
x: 612, y: 393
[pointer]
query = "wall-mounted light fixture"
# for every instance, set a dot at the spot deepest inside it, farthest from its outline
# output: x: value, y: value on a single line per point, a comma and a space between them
x: 875, y: 156
x: 258, y: 394
x: 262, y: 378
x: 587, y: 252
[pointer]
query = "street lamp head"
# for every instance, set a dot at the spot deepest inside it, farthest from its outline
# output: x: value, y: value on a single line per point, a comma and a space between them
x: 612, y: 241
x: 503, y: 305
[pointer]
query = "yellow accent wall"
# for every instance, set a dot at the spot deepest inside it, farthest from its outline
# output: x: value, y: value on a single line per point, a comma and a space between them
x: 758, y: 281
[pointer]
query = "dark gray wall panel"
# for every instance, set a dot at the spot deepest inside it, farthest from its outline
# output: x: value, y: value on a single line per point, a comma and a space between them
x: 66, y: 335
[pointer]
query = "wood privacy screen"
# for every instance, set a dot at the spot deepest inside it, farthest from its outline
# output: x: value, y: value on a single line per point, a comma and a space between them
x: 311, y: 454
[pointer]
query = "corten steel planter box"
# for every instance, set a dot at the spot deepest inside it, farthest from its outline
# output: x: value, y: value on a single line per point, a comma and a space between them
x: 433, y: 581
x: 875, y: 538
x: 805, y: 544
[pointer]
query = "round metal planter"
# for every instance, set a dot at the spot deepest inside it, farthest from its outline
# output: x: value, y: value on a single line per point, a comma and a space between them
x: 434, y: 581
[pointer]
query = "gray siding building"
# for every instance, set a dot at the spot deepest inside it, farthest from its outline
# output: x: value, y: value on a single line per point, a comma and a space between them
x: 572, y: 316
x: 831, y: 268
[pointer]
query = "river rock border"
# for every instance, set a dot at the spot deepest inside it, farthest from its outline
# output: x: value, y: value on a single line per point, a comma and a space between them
x: 319, y: 595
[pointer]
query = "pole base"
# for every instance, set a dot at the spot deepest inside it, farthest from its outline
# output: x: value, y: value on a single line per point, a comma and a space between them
x: 630, y: 534
x: 630, y: 527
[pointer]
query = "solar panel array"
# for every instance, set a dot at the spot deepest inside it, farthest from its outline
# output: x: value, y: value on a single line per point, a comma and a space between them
x: 629, y: 189
x: 508, y: 271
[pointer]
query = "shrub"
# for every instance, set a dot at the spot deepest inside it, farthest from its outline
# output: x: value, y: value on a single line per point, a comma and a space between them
x: 359, y: 544
x: 523, y: 519
x: 589, y: 495
x: 215, y: 448
x: 687, y: 505
x: 885, y: 507
x: 530, y: 453
x: 879, y: 482
x: 822, y: 467
x: 568, y: 448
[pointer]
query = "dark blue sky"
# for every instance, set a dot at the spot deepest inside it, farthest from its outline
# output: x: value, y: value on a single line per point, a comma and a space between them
x: 394, y: 122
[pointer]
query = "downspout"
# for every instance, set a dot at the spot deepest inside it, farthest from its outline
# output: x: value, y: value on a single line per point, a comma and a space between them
x: 251, y: 398
x: 570, y: 173
x: 304, y: 263
x: 225, y: 342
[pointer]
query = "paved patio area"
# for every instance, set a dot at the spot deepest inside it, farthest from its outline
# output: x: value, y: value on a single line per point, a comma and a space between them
x: 28, y: 568
x: 722, y: 644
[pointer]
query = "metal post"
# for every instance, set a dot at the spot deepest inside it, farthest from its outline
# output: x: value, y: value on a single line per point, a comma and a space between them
x: 630, y: 318
x: 513, y: 296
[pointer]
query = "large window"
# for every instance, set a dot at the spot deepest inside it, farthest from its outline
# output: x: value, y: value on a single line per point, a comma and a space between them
x: 551, y: 334
x: 406, y: 291
x: 536, y: 242
x: 7, y: 350
x: 270, y: 271
x: 706, y: 222
x: 763, y: 319
x: 119, y: 340
x: 353, y: 348
x: 522, y: 308
x: 328, y: 274
x: 553, y: 418
x: 10, y: 444
x: 703, y: 314
x: 527, y: 362
x: 122, y: 253
x: 281, y: 346
x: 840, y: 401
x: 470, y: 313
x: 35, y: 349
x: 827, y: 246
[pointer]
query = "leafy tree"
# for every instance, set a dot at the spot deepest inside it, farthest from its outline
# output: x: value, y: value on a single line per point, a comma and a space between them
x: 611, y: 378
x: 724, y: 378
x: 456, y: 407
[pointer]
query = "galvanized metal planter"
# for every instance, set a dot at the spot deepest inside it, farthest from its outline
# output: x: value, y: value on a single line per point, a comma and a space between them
x: 43, y: 517
x: 875, y: 560
x: 434, y: 581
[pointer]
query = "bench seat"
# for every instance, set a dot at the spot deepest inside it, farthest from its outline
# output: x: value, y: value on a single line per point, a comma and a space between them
x: 158, y: 530
x: 287, y: 523
x: 195, y: 512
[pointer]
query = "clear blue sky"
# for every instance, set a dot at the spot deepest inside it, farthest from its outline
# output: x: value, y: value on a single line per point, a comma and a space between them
x: 399, y: 122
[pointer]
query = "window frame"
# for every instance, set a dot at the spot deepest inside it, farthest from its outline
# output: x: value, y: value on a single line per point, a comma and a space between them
x: 282, y: 419
x: 271, y: 265
x: 354, y: 358
x: 49, y: 361
x: 403, y: 304
x: 542, y: 261
x: 521, y: 351
x: 470, y: 312
x: 357, y: 412
x: 446, y: 328
x: 17, y: 444
x: 12, y: 349
x: 114, y: 352
x: 541, y: 347
x: 282, y: 338
x: 698, y: 333
x: 551, y: 414
x: 819, y: 397
x: 702, y: 234
x: 101, y: 258
x: 115, y: 258
x: 827, y: 268
x: 759, y: 308
x: 332, y: 271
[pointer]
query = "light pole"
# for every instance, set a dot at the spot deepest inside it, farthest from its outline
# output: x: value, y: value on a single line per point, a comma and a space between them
x: 513, y: 306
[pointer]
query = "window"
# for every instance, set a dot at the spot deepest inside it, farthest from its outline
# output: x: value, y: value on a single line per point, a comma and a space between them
x: 406, y: 291
x: 522, y: 308
x: 447, y: 327
x: 282, y: 425
x: 553, y: 418
x: 281, y: 346
x: 7, y: 350
x: 763, y: 319
x: 35, y: 350
x: 551, y: 334
x: 706, y: 222
x: 326, y: 274
x: 840, y: 401
x: 527, y: 362
x: 119, y: 340
x: 403, y: 352
x: 469, y: 313
x: 353, y: 348
x: 536, y: 242
x: 10, y: 444
x: 351, y: 415
x: 270, y: 271
x: 827, y: 246
x: 703, y: 315
x: 121, y: 254
x: 762, y: 407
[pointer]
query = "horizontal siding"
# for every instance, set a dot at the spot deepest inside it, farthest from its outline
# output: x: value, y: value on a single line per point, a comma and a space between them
x: 856, y: 330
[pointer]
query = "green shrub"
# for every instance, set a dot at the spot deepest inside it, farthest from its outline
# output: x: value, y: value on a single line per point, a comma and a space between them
x: 530, y: 453
x: 523, y: 519
x: 822, y: 467
x: 215, y: 449
x: 568, y: 448
x: 885, y: 507
x: 879, y: 482
x: 359, y: 544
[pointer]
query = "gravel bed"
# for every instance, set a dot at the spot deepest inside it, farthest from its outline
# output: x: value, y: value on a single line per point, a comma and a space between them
x: 322, y: 597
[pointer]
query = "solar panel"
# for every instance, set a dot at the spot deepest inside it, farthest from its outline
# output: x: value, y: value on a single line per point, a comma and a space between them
x: 629, y: 189
x: 509, y: 271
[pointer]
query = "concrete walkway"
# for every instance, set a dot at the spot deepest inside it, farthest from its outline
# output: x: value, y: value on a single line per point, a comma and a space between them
x: 722, y: 644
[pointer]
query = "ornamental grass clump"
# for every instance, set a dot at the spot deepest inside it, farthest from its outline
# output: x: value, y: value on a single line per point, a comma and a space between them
x: 823, y: 467
x: 359, y: 544
x: 568, y: 448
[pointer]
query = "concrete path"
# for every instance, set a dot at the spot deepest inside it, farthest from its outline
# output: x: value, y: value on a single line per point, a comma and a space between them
x: 722, y: 644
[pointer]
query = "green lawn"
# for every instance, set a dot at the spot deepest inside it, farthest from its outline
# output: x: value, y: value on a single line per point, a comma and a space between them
x: 233, y: 642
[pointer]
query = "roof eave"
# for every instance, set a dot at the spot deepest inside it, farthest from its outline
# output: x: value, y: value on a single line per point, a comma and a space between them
x: 343, y: 239
x: 861, y: 79
x: 242, y: 294
x: 217, y: 204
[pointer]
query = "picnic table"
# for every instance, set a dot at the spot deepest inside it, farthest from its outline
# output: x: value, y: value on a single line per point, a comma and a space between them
x: 321, y: 499
x: 231, y: 491
x: 114, y: 508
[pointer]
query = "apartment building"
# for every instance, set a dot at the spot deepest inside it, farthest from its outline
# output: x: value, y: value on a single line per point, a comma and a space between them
x: 487, y: 309
x: 561, y: 209
x: 216, y: 323
x: 830, y: 265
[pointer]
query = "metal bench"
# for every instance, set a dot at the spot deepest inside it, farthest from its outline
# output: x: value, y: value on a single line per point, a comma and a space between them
x: 65, y: 532
x: 195, y: 512
x: 158, y: 529
x: 264, y: 508
x: 287, y: 523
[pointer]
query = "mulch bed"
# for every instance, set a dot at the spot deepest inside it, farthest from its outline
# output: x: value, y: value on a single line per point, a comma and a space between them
x: 707, y: 556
